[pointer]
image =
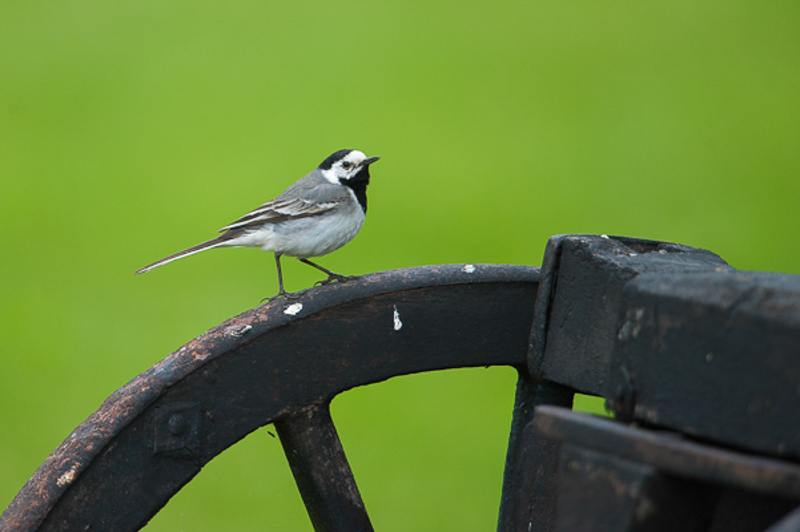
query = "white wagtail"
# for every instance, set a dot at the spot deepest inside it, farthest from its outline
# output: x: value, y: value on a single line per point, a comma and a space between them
x: 315, y: 216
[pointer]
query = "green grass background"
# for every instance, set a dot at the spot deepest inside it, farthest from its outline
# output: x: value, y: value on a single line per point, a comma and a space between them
x: 129, y: 130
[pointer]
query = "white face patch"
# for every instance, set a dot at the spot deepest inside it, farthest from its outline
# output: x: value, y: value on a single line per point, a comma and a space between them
x: 355, y: 157
x: 345, y: 168
x: 330, y: 175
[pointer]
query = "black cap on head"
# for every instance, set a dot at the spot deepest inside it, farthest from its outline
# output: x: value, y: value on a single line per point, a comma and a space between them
x: 332, y: 158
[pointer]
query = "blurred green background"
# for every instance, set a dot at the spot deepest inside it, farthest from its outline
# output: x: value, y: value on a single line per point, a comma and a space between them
x: 130, y: 130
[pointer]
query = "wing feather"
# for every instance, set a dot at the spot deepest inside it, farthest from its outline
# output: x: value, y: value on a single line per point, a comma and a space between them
x: 280, y: 210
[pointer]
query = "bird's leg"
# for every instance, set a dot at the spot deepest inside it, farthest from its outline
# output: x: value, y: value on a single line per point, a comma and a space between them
x: 281, y: 291
x: 331, y: 276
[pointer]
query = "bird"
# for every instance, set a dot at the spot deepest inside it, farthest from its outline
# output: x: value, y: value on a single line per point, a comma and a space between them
x: 314, y: 216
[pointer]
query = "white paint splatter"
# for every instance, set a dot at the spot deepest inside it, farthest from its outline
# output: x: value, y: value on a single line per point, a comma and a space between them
x: 468, y: 268
x: 397, y: 323
x: 238, y: 331
x: 293, y: 309
x: 67, y: 477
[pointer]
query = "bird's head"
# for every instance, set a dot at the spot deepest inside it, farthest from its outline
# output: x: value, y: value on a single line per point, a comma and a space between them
x: 346, y: 166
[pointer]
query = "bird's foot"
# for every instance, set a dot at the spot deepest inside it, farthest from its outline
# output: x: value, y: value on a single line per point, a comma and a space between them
x: 335, y: 277
x: 284, y: 294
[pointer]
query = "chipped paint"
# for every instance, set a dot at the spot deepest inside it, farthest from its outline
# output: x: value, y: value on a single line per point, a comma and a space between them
x: 397, y: 323
x: 634, y: 321
x: 67, y: 477
x: 238, y: 331
x: 293, y: 309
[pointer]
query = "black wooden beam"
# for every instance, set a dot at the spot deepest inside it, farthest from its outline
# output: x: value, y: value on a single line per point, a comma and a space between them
x: 670, y: 453
x: 321, y: 470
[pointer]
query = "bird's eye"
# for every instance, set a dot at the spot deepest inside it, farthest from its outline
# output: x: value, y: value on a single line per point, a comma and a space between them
x: 346, y: 165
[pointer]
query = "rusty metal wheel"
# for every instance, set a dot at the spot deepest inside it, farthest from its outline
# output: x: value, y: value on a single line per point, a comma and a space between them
x: 279, y: 363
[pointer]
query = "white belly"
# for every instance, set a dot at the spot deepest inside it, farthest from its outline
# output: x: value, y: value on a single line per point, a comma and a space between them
x: 306, y: 237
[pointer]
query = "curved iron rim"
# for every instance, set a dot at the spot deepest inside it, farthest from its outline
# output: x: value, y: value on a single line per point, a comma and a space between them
x: 75, y: 454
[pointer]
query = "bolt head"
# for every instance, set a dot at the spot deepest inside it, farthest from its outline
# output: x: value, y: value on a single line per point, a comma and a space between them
x: 178, y: 424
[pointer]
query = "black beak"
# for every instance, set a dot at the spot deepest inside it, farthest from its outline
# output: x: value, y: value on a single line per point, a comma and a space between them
x: 368, y: 161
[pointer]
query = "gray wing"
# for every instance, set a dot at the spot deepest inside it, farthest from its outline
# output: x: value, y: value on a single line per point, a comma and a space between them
x: 312, y: 201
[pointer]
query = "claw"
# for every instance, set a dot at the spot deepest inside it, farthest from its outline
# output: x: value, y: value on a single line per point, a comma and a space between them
x: 335, y: 277
x: 283, y: 293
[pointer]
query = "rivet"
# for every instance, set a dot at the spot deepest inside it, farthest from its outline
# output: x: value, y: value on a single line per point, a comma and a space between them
x: 177, y: 424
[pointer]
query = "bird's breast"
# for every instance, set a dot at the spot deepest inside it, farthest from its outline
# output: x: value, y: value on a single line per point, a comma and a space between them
x: 315, y: 236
